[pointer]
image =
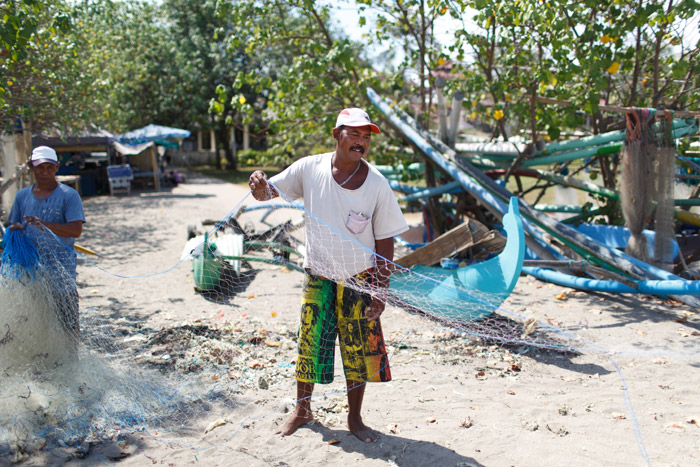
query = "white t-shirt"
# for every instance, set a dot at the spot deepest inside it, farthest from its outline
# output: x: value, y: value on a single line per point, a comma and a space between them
x: 336, y: 247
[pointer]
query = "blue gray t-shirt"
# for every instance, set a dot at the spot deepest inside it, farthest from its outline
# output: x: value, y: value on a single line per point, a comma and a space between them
x: 63, y: 205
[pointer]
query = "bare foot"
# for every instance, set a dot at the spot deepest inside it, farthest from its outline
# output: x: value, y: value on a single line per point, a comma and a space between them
x: 362, y: 431
x: 298, y: 418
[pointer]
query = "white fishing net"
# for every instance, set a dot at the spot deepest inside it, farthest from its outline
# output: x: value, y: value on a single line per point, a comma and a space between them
x: 70, y: 386
x: 637, y: 179
x: 647, y: 186
x: 59, y: 387
x: 458, y: 290
x: 665, y: 168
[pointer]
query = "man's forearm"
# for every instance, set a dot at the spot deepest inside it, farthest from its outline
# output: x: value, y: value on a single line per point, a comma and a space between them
x: 385, y: 254
x: 71, y: 229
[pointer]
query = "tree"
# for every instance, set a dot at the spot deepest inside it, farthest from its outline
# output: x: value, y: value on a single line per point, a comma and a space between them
x: 156, y: 63
x: 143, y: 74
x: 20, y: 23
x: 410, y: 24
x: 301, y: 70
x: 212, y: 65
x: 44, y: 84
x: 630, y: 53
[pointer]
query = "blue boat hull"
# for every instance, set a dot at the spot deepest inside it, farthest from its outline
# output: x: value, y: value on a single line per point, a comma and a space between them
x: 469, y: 292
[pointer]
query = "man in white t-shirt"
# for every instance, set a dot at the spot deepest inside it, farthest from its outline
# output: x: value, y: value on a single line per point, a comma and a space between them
x: 352, y: 218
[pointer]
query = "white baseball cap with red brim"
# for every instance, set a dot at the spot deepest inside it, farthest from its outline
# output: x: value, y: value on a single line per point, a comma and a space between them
x: 355, y: 117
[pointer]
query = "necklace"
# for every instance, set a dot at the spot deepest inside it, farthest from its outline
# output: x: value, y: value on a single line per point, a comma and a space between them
x: 359, y: 163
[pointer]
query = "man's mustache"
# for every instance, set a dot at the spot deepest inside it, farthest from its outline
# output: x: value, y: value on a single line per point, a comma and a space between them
x: 358, y: 147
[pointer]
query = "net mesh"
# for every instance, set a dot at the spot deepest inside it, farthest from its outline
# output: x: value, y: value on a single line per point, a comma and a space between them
x: 637, y: 179
x: 460, y: 295
x: 39, y: 316
x: 665, y: 168
x: 56, y: 394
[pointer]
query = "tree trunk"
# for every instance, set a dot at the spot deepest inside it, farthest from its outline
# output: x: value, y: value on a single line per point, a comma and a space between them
x: 437, y: 218
x: 223, y: 139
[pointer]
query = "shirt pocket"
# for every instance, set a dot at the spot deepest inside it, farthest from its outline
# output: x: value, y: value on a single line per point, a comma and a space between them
x: 357, y: 222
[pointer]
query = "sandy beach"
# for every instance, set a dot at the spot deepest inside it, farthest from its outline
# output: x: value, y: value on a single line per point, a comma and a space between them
x: 628, y: 397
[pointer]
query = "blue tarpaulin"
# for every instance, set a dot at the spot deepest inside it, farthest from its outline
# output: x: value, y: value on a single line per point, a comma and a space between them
x: 151, y: 133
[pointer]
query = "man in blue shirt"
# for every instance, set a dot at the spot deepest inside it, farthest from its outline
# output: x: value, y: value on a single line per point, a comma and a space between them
x: 53, y: 206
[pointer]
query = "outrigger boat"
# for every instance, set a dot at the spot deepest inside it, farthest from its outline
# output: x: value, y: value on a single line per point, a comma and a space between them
x: 468, y: 292
x: 629, y: 275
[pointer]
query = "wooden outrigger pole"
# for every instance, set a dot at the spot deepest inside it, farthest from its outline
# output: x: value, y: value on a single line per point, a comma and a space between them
x: 620, y: 109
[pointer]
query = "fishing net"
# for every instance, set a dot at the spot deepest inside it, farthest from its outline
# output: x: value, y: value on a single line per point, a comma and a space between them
x: 647, y: 186
x: 40, y: 329
x: 463, y: 290
x: 637, y: 178
x: 665, y: 167
x: 55, y: 394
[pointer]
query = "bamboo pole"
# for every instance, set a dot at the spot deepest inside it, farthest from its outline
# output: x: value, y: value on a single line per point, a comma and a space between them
x: 567, y: 180
x: 620, y: 109
x: 591, y: 151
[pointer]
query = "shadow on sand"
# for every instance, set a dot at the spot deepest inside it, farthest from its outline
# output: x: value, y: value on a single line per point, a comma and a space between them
x: 402, y: 451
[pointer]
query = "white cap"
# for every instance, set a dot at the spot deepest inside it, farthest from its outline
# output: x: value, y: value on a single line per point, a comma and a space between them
x: 355, y: 117
x: 42, y: 155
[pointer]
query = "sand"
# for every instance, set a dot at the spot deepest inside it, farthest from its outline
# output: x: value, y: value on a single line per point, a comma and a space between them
x: 630, y: 398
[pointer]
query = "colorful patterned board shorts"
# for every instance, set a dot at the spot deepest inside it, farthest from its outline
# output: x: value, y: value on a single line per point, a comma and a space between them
x: 330, y: 309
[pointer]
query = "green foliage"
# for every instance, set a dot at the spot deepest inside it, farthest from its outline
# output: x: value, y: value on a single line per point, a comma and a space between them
x: 620, y: 53
x: 19, y: 25
x: 134, y: 63
x: 269, y: 158
x: 116, y: 64
x: 302, y: 72
x: 43, y: 81
x: 280, y: 66
x: 167, y: 64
